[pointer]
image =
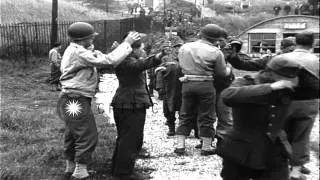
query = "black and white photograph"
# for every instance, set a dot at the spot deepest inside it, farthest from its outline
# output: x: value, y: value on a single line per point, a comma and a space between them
x: 159, y: 89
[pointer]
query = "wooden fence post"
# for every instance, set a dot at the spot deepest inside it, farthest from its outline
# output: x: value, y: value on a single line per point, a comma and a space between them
x: 25, y: 52
x: 37, y: 36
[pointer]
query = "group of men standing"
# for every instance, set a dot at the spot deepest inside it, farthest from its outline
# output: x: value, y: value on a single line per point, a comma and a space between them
x: 267, y: 117
x: 300, y: 8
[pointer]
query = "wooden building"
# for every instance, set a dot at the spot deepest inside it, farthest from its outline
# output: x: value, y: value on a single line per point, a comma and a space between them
x: 272, y: 31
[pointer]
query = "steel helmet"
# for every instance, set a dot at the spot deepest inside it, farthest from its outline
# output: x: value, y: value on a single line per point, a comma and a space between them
x: 213, y: 32
x: 81, y: 31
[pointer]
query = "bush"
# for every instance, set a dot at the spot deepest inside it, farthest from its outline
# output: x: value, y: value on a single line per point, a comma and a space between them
x: 234, y: 24
x: 6, y: 174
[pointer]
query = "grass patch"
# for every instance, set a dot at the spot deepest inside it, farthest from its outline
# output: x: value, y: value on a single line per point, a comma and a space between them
x: 16, y: 11
x: 31, y: 132
x: 20, y: 121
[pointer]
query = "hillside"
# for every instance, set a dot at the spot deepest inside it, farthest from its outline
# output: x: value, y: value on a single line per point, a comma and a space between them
x: 17, y: 11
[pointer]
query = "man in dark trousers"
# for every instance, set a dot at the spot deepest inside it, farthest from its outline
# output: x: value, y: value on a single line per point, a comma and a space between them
x: 129, y: 108
x: 302, y: 112
x: 199, y: 61
x: 257, y: 147
x: 169, y: 86
x: 299, y: 131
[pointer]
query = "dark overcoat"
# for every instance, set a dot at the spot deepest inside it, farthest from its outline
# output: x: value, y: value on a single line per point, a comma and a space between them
x: 259, y: 116
x: 132, y: 91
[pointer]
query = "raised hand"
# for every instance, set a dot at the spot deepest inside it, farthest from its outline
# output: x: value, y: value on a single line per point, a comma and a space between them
x: 132, y: 37
x: 283, y: 84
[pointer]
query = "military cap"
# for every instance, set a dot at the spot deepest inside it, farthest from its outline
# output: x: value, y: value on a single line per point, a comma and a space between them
x: 235, y: 41
x: 283, y: 66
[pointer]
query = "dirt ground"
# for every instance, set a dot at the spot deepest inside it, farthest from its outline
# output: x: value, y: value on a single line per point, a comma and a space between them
x: 165, y: 165
x: 40, y: 151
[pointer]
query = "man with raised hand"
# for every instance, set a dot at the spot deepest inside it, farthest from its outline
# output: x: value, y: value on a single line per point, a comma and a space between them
x: 79, y: 82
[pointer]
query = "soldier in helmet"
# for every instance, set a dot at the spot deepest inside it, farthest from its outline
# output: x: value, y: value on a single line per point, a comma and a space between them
x: 79, y: 81
x: 199, y: 61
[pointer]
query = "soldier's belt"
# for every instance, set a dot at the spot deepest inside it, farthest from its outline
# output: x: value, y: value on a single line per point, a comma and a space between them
x: 187, y: 78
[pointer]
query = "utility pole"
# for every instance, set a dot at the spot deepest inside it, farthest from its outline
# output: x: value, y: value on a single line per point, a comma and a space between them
x: 107, y: 5
x: 164, y: 8
x: 54, y: 22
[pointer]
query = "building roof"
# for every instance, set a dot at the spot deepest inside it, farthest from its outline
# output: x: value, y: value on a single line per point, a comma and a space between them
x: 273, y: 19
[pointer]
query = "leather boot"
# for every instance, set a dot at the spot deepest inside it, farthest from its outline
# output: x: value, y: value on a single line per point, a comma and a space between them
x: 172, y: 130
x: 196, y: 133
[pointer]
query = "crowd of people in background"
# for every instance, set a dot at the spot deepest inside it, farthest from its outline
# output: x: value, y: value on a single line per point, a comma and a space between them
x: 266, y: 117
x: 298, y: 8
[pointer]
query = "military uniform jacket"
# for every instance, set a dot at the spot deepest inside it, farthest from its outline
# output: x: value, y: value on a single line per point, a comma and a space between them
x: 132, y: 91
x: 259, y: 116
x: 244, y: 62
x: 168, y: 83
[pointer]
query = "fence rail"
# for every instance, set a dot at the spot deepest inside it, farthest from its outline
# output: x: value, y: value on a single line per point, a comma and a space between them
x: 18, y: 40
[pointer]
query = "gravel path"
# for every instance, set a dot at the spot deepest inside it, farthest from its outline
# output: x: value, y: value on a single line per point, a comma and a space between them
x: 166, y: 165
x: 192, y: 166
